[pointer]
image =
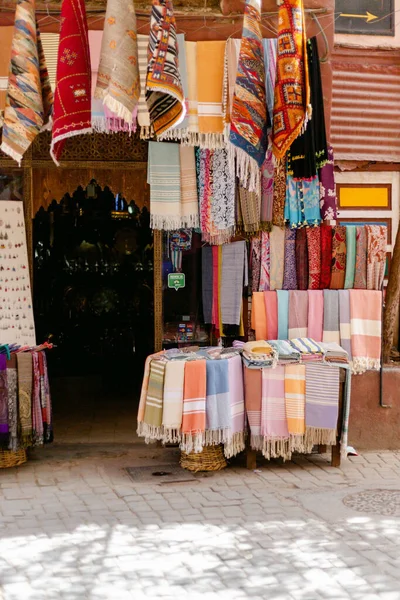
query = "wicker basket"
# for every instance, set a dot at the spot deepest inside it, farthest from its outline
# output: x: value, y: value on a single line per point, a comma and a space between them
x: 210, y: 459
x: 8, y: 458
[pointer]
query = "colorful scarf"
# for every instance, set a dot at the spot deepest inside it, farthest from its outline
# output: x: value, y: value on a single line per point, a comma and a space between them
x: 45, y: 399
x: 292, y: 90
x: 218, y: 414
x: 360, y: 276
x: 173, y: 400
x: 322, y: 404
x: 236, y: 443
x: 250, y: 208
x: 328, y: 201
x: 302, y: 202
x: 306, y: 346
x: 274, y: 427
x: 331, y: 317
x: 194, y: 406
x: 271, y: 311
x: 258, y: 316
x: 277, y: 245
x: 164, y: 92
x: 314, y: 257
x: 29, y: 97
x: 154, y: 401
x: 253, y: 400
x: 25, y: 380
x: 289, y: 274
x: 298, y: 314
x: 283, y: 314
x: 143, y: 116
x: 189, y: 199
x: 270, y: 47
x: 295, y: 392
x: 376, y: 255
x: 37, y: 417
x: 7, y: 34
x: 12, y: 397
x: 279, y: 195
x: 255, y: 263
x: 210, y: 77
x: 223, y: 200
x: 143, y: 393
x: 207, y: 282
x: 72, y: 102
x: 118, y: 80
x: 301, y: 259
x: 265, y: 266
x: 326, y: 256
x: 4, y: 426
x: 234, y: 278
x: 216, y: 290
x: 232, y: 49
x: 180, y: 132
x: 249, y: 119
x: 315, y: 314
x: 286, y: 353
x: 366, y: 329
x: 338, y: 257
x: 193, y: 113
x: 165, y: 186
x: 267, y: 191
x: 351, y: 233
x: 344, y: 319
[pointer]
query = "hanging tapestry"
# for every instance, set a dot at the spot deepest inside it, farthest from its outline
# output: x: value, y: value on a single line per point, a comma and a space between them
x: 376, y: 255
x: 164, y: 91
x: 292, y: 90
x: 328, y: 200
x: 249, y: 119
x: 338, y: 257
x: 29, y: 99
x: 72, y: 101
x: 118, y: 81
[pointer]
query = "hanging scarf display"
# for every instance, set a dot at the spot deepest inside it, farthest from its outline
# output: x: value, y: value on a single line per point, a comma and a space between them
x: 255, y: 262
x: 277, y: 250
x: 232, y: 50
x: 301, y: 259
x: 314, y: 257
x: 189, y: 197
x: 72, y: 102
x: 326, y: 256
x: 270, y: 47
x: 164, y: 92
x: 292, y: 91
x: 283, y: 314
x: 360, y: 277
x: 267, y: 191
x: 302, y: 202
x: 233, y: 279
x: 210, y: 79
x: 376, y: 256
x: 289, y: 275
x: 328, y: 200
x: 29, y: 99
x: 322, y: 404
x: 249, y: 119
x: 295, y: 396
x: 24, y: 361
x: 165, y: 185
x: 12, y: 396
x: 315, y: 314
x: 279, y: 195
x: 37, y: 417
x: 250, y: 206
x: 338, y: 257
x: 118, y: 80
x: 265, y: 266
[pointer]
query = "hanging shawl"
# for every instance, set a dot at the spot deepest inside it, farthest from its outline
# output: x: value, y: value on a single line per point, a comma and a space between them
x: 351, y: 235
x: 143, y: 111
x: 164, y: 91
x: 326, y: 256
x: 314, y: 257
x: 338, y: 257
x: 250, y: 205
x: 255, y: 262
x: 270, y: 46
x: 279, y: 195
x: 231, y: 60
x: 376, y: 258
x: 265, y: 267
x: 165, y: 186
x: 328, y: 200
x: 25, y: 374
x: 267, y: 191
x: 292, y: 91
x: 302, y: 259
x: 181, y: 132
x: 12, y: 395
x: 118, y: 82
x: 302, y: 202
x: 309, y: 151
x: 360, y: 278
x: 210, y: 79
x: 4, y: 422
x: 249, y: 120
x: 289, y: 275
x: 191, y: 71
x: 72, y: 102
x: 29, y: 97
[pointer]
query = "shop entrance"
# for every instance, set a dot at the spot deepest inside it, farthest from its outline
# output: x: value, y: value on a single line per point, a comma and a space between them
x: 93, y: 297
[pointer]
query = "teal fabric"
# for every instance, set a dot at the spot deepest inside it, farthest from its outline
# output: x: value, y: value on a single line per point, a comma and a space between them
x: 283, y: 314
x: 351, y: 236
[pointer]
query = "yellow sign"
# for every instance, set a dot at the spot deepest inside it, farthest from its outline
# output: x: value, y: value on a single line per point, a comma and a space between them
x: 363, y: 197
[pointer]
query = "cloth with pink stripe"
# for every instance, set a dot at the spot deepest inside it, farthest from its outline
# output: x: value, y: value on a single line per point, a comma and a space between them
x: 273, y: 414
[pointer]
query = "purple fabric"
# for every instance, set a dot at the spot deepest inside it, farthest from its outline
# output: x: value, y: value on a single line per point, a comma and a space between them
x: 236, y: 393
x: 289, y: 273
x: 322, y: 396
x: 328, y: 201
x: 267, y: 188
x: 4, y: 429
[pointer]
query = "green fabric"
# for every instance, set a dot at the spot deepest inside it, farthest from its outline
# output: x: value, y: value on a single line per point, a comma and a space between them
x: 351, y: 235
x: 155, y: 394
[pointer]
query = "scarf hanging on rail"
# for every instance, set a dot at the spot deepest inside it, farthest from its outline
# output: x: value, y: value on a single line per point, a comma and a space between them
x: 271, y: 311
x: 298, y: 314
x: 231, y: 60
x: 301, y: 259
x: 249, y: 118
x: 250, y: 206
x: 270, y: 47
x: 45, y: 399
x: 4, y: 426
x: 326, y: 256
x: 207, y: 282
x: 218, y: 418
x: 143, y: 393
x: 164, y: 92
x: 351, y: 234
x: 309, y: 151
x: 210, y: 76
x: 277, y: 250
x: 154, y: 400
x: 292, y: 90
x: 181, y: 132
x: 194, y: 406
x: 322, y: 404
x: 376, y: 256
x: 258, y: 316
x: 118, y: 80
x: 265, y: 266
x: 143, y: 116
x: 223, y: 199
x: 267, y: 191
x: 315, y: 314
x: 12, y: 397
x: 234, y: 278
x: 25, y: 380
x: 283, y: 314
x: 37, y: 417
x: 253, y: 400
x: 165, y: 186
x: 338, y: 257
x: 302, y: 202
x: 365, y: 329
x: 295, y: 392
x: 236, y: 443
x: 360, y: 277
x: 328, y: 200
x: 255, y: 262
x: 331, y: 317
x: 314, y: 257
x: 274, y: 428
x: 344, y: 321
x: 72, y: 102
x: 191, y: 72
x: 29, y: 99
x: 289, y: 275
x: 173, y: 400
x: 189, y: 199
x: 279, y: 195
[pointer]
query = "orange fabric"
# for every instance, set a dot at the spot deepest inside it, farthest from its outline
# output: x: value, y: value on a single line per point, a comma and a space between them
x: 210, y: 78
x: 194, y: 397
x: 6, y: 36
x: 258, y: 316
x: 295, y: 398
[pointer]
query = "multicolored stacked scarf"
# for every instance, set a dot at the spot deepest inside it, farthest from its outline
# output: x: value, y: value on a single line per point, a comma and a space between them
x: 249, y: 119
x: 164, y: 91
x: 279, y: 195
x: 236, y: 442
x: 72, y: 102
x: 283, y: 314
x: 118, y: 80
x: 152, y: 420
x: 12, y: 397
x: 322, y: 404
x: 194, y: 406
x: 173, y: 401
x: 314, y: 257
x: 292, y: 90
x: 210, y: 78
x: 295, y: 396
x: 250, y: 207
x: 351, y: 233
x: 315, y: 314
x: 289, y: 275
x: 302, y: 202
x: 328, y: 200
x: 29, y: 97
x: 302, y: 259
x: 25, y: 381
x: 4, y: 426
x: 267, y: 191
x: 366, y: 329
x: 274, y: 429
x: 234, y: 278
x: 331, y: 317
x: 376, y: 256
x: 326, y: 256
x: 165, y: 186
x: 338, y: 258
x: 344, y: 320
x: 277, y: 245
x: 360, y: 277
x: 143, y: 116
x: 298, y: 314
x: 253, y: 400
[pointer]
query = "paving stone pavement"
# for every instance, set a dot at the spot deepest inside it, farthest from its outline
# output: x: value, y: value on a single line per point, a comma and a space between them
x: 74, y: 525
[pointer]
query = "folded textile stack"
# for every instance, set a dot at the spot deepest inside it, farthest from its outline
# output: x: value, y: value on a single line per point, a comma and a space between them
x: 286, y: 352
x: 333, y: 353
x: 258, y: 355
x: 308, y: 348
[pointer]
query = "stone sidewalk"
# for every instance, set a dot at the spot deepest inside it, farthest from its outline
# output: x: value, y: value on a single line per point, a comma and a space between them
x: 73, y: 525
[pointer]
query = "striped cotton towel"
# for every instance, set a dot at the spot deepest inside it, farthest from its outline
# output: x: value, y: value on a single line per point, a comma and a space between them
x: 274, y: 427
x: 298, y: 313
x: 295, y: 392
x: 322, y: 404
x: 173, y: 400
x: 365, y: 329
x: 331, y: 331
x: 218, y: 421
x: 194, y: 406
x: 236, y: 393
x: 163, y: 177
x: 252, y: 395
x: 154, y: 401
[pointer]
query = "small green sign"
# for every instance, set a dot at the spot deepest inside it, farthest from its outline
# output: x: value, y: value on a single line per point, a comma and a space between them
x: 176, y: 280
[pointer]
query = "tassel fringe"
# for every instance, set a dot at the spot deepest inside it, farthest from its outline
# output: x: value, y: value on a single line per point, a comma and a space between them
x: 247, y: 169
x: 235, y: 444
x: 115, y: 106
x: 276, y: 448
x: 11, y: 153
x: 315, y: 436
x: 361, y: 364
x: 173, y: 223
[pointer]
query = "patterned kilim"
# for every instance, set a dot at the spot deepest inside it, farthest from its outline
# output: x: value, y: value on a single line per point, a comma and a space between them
x: 249, y: 120
x: 29, y: 97
x: 72, y: 102
x: 164, y: 91
x: 118, y: 83
x: 292, y: 90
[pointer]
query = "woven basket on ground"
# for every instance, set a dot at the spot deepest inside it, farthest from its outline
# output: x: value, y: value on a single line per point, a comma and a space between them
x: 210, y: 459
x: 8, y: 458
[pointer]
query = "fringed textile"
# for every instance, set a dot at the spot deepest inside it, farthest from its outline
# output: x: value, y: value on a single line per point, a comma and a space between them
x: 236, y: 442
x: 152, y: 419
x: 315, y: 314
x: 232, y: 49
x: 301, y: 259
x: 279, y: 195
x: 165, y: 186
x: 283, y: 314
x: 326, y: 256
x: 314, y: 257
x: 277, y: 246
x: 250, y: 207
x: 322, y: 404
x: 302, y: 202
x: 331, y: 317
x: 365, y: 329
x: 295, y: 395
x: 234, y: 278
x: 180, y: 132
x: 25, y: 382
x: 351, y: 233
x: 218, y: 417
x: 274, y: 429
x: 189, y: 199
x: 289, y: 275
x: 173, y: 401
x: 210, y: 77
x: 223, y: 200
x: 191, y: 70
x: 253, y: 400
x: 360, y: 277
x: 344, y: 321
x: 298, y: 314
x: 267, y: 191
x: 194, y: 406
x: 143, y: 393
x: 143, y: 116
x: 265, y: 266
x: 376, y: 256
x: 338, y: 257
x: 328, y: 200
